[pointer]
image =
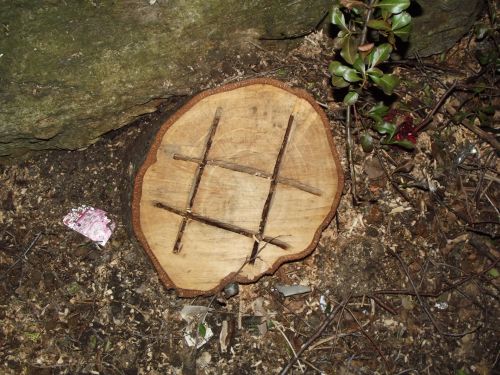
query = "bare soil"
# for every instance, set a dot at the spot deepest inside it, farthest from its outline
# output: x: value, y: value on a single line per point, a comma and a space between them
x: 411, y: 266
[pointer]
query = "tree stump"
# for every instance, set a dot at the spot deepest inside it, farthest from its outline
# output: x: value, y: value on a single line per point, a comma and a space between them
x: 240, y: 180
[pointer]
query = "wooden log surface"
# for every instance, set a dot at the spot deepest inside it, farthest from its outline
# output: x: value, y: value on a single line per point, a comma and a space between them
x: 240, y: 180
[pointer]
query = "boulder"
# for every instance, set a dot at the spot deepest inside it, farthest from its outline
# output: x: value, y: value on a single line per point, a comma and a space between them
x: 437, y: 25
x: 71, y: 71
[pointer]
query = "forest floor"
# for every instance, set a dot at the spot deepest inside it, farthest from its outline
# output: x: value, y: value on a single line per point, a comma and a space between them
x: 409, y: 267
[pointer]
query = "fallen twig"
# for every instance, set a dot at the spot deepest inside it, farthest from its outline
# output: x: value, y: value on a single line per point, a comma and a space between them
x: 377, y: 348
x: 482, y: 134
x: 417, y: 294
x: 350, y: 145
x: 394, y: 184
x: 316, y: 334
x: 277, y: 325
x: 438, y: 105
x: 22, y: 256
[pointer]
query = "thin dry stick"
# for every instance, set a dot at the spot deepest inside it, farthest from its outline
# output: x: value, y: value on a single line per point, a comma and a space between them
x: 350, y: 144
x: 348, y: 134
x: 377, y: 348
x: 393, y: 183
x: 365, y: 26
x: 424, y: 305
x: 316, y: 334
x: 482, y: 134
x: 438, y: 105
x: 22, y: 257
x: 383, y: 304
x: 277, y: 325
x: 444, y: 290
x: 417, y: 294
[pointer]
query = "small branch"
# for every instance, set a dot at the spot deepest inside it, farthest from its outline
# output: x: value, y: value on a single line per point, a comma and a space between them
x: 393, y: 183
x: 22, y: 257
x: 376, y: 347
x: 365, y: 26
x: 350, y: 143
x: 316, y: 334
x: 417, y: 294
x: 276, y: 324
x: 482, y: 134
x: 383, y: 304
x: 438, y: 105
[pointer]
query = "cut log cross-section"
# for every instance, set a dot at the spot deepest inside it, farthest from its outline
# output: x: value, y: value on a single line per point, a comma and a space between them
x: 240, y: 180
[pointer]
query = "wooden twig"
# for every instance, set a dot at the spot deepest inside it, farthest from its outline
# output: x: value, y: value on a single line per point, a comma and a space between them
x: 272, y: 189
x: 22, y: 256
x: 438, y: 293
x: 276, y: 324
x: 394, y: 184
x: 438, y: 105
x: 365, y: 26
x: 383, y: 304
x: 350, y: 144
x: 417, y: 294
x: 377, y: 348
x: 315, y: 336
x: 482, y: 134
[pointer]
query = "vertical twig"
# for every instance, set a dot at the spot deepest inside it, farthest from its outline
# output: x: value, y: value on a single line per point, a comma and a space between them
x: 349, y: 144
x: 417, y: 294
x: 438, y: 105
x: 348, y: 114
x: 365, y: 26
x: 316, y: 334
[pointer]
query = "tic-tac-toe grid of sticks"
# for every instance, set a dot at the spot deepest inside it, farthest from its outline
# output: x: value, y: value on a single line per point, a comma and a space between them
x: 275, y: 178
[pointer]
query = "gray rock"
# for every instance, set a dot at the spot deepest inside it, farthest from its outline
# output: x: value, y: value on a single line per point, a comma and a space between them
x: 73, y: 70
x: 438, y: 25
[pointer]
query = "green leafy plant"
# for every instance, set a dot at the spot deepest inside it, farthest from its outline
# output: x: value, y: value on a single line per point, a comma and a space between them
x: 367, y: 33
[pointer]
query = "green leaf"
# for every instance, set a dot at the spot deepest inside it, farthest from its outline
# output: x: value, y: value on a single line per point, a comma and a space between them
x: 409, y: 145
x: 379, y: 54
x: 481, y: 31
x: 400, y: 20
x: 339, y: 82
x: 494, y: 273
x: 338, y: 18
x: 386, y: 14
x: 351, y: 98
x: 375, y: 72
x: 393, y: 6
x: 339, y: 42
x: 378, y: 111
x: 202, y: 330
x: 33, y: 336
x: 388, y: 82
x: 351, y: 75
x: 366, y: 142
x: 359, y: 65
x: 379, y: 25
x: 487, y: 57
x: 336, y: 68
x: 92, y: 342
x: 385, y: 127
x: 403, y: 33
x: 349, y: 50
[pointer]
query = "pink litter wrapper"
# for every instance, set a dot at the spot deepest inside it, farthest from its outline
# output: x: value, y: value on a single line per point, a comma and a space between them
x: 91, y: 222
